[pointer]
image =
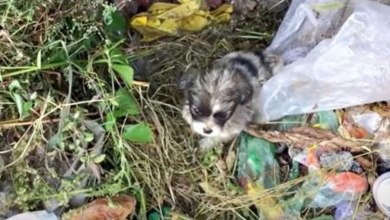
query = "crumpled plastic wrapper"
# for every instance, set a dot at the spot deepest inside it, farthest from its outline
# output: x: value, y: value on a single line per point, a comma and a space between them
x: 329, y: 188
x: 346, y: 64
x: 37, y: 215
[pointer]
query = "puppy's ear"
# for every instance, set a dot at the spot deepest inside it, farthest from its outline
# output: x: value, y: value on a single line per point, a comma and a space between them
x: 186, y: 79
x: 271, y: 60
x: 244, y: 94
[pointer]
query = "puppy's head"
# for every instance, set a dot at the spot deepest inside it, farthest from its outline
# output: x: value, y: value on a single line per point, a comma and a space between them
x: 213, y: 98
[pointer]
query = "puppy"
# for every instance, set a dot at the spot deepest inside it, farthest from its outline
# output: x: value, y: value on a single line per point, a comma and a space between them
x: 222, y: 102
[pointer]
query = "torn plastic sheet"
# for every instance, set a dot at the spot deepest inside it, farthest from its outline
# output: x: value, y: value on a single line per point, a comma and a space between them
x: 352, y: 68
x: 37, y: 215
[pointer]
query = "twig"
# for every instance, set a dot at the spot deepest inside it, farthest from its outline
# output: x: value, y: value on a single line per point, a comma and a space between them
x: 14, y: 123
x: 24, y: 123
x: 304, y: 136
x: 139, y: 83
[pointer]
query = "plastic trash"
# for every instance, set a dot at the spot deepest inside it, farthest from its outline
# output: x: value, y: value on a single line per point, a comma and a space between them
x: 341, y: 161
x: 168, y: 19
x: 114, y: 208
x: 360, y: 121
x: 306, y: 23
x: 329, y: 188
x: 348, y: 211
x: 382, y: 136
x: 257, y: 171
x: 37, y: 215
x: 155, y: 215
x: 365, y: 118
x: 381, y: 190
x: 349, y: 69
x: 323, y: 119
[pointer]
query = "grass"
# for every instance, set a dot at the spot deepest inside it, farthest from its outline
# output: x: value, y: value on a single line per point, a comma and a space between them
x: 85, y: 113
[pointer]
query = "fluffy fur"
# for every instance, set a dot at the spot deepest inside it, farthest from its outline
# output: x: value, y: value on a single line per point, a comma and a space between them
x: 222, y: 102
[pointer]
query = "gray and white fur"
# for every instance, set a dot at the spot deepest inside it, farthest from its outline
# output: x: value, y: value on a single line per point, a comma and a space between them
x: 222, y: 102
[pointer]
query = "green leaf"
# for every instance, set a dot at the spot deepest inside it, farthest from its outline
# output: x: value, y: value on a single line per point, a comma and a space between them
x: 110, y: 121
x: 39, y: 59
x: 140, y: 133
x: 125, y: 71
x: 117, y: 56
x: 91, y: 42
x: 99, y: 159
x: 26, y: 108
x: 14, y: 85
x: 19, y: 103
x: 88, y: 137
x: 71, y: 146
x: 126, y: 103
x: 56, y: 57
x: 115, y: 23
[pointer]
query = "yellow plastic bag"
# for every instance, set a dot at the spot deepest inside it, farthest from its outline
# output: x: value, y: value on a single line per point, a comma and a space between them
x: 181, y: 11
x: 152, y: 28
x: 167, y: 19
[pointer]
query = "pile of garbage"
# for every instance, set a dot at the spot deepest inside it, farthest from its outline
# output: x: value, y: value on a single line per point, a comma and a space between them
x: 329, y: 114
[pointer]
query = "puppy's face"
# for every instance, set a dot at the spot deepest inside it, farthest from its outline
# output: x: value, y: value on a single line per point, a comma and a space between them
x: 209, y: 112
x: 212, y: 99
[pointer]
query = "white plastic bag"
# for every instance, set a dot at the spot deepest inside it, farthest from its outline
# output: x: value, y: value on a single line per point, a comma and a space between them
x: 306, y: 23
x: 37, y: 215
x: 352, y: 68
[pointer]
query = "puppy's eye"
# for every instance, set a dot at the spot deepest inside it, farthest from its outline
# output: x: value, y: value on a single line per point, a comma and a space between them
x: 222, y: 115
x: 195, y: 110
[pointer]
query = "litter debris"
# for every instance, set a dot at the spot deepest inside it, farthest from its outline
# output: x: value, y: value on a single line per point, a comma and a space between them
x: 314, y: 142
x: 37, y: 215
x: 331, y: 187
x: 381, y: 191
x: 167, y: 19
x: 345, y: 65
x: 166, y: 213
x: 323, y: 119
x: 345, y: 210
x: 348, y: 210
x: 382, y: 146
x: 341, y: 161
x: 154, y: 215
x: 258, y: 171
x: 115, y: 208
x: 322, y: 188
x: 359, y: 122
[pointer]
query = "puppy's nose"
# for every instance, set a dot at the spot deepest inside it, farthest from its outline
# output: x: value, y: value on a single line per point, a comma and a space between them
x: 207, y: 131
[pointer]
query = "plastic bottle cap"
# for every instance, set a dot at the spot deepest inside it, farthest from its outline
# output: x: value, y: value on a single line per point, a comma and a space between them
x: 381, y: 191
